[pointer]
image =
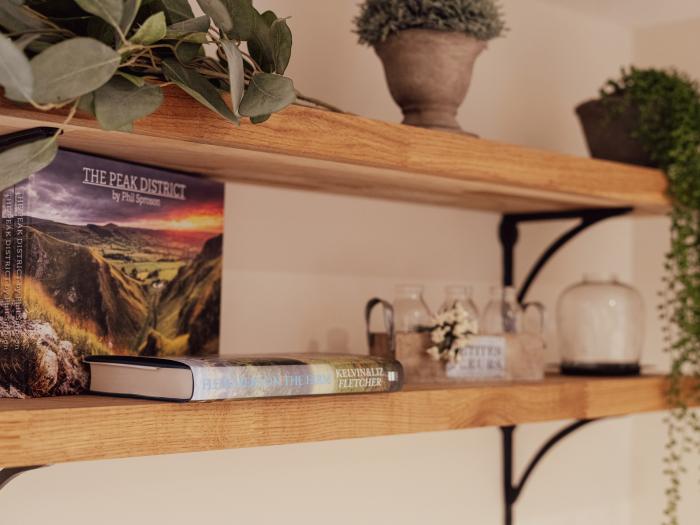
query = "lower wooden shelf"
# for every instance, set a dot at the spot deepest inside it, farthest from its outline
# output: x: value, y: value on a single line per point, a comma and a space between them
x: 58, y: 430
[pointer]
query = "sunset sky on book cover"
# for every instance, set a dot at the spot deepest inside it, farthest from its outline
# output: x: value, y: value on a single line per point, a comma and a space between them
x: 106, y: 257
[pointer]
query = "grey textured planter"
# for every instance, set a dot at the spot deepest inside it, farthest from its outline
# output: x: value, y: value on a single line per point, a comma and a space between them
x: 429, y: 73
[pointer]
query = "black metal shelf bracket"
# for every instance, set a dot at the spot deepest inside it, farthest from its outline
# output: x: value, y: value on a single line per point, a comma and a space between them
x: 10, y: 473
x: 508, y: 236
x: 511, y: 490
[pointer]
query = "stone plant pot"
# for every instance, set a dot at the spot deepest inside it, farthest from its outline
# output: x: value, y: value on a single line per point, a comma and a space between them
x: 612, y: 138
x: 429, y: 73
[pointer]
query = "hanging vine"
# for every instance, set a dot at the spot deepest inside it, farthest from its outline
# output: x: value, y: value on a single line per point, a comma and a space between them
x: 668, y: 111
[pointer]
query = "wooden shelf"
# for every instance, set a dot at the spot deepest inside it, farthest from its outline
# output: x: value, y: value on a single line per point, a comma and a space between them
x: 57, y: 430
x: 318, y: 150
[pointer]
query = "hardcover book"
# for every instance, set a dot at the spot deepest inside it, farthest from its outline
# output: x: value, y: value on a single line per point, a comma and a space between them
x: 206, y: 379
x: 103, y: 257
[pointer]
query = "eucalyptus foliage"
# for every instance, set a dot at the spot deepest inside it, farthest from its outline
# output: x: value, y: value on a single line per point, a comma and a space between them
x: 379, y: 19
x: 112, y: 58
x: 667, y: 104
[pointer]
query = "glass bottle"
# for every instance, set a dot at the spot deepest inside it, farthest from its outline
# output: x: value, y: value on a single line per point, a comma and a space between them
x: 601, y: 327
x: 410, y: 311
x: 502, y: 314
x: 460, y: 294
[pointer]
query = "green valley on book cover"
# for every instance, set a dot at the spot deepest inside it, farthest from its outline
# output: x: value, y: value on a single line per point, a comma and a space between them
x: 102, y: 257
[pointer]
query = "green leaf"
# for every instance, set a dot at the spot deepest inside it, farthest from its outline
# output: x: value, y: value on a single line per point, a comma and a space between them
x: 119, y: 102
x: 187, y: 52
x: 200, y: 24
x: 281, y: 37
x: 16, y: 18
x: 15, y: 71
x: 72, y: 68
x: 235, y: 73
x: 87, y: 103
x: 134, y: 79
x: 100, y: 30
x: 108, y: 10
x: 130, y: 10
x: 260, y: 119
x: 218, y: 12
x: 177, y: 10
x: 267, y: 93
x: 260, y: 45
x: 151, y: 31
x: 19, y: 162
x: 197, y: 87
x: 243, y: 16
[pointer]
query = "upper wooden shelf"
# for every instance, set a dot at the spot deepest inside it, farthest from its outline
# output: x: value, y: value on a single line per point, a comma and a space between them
x: 56, y: 430
x: 318, y: 150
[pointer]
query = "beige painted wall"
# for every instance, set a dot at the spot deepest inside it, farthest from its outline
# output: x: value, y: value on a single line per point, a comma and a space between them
x: 668, y: 45
x: 299, y: 267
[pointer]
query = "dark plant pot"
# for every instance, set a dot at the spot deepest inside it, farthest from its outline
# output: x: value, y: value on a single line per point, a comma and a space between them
x: 612, y: 137
x: 429, y: 73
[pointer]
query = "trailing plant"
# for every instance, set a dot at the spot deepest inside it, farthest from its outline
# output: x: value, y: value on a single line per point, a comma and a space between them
x: 379, y: 19
x: 112, y: 58
x: 667, y: 104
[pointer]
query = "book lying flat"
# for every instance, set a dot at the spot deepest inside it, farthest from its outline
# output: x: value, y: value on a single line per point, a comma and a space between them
x: 211, y: 378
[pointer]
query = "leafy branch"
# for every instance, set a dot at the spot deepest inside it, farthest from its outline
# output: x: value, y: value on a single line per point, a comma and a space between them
x: 112, y: 58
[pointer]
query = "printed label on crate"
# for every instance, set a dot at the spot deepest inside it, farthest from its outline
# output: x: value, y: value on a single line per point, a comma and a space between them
x: 483, y: 358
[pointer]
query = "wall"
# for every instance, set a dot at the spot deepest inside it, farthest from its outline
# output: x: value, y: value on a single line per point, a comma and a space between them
x: 299, y: 267
x: 667, y: 45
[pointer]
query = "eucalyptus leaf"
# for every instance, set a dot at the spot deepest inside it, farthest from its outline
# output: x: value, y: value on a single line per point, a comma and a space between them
x: 151, y: 31
x: 178, y: 30
x: 134, y: 79
x: 235, y: 73
x: 87, y: 103
x: 101, y: 30
x: 129, y: 12
x: 19, y: 162
x: 260, y: 119
x: 108, y: 10
x: 243, y: 16
x: 177, y: 10
x: 218, y: 12
x: 72, y: 68
x: 267, y: 93
x: 15, y: 18
x: 186, y: 52
x: 198, y: 87
x: 25, y: 41
x: 15, y: 71
x: 281, y: 37
x: 119, y: 102
x: 260, y: 45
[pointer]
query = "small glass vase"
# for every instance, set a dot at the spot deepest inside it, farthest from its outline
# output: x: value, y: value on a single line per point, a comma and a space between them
x: 601, y: 327
x: 457, y: 294
x: 411, y: 313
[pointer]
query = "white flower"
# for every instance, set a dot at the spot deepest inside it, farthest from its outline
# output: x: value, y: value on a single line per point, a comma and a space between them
x: 461, y: 328
x: 434, y: 352
x: 437, y: 336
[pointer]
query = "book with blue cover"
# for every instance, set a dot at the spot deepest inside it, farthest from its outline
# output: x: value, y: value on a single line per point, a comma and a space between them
x: 101, y: 257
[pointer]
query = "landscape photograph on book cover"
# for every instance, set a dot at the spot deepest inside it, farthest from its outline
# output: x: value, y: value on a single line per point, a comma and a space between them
x: 105, y: 257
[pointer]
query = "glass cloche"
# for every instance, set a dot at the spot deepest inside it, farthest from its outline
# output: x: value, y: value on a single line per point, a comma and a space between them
x: 601, y: 327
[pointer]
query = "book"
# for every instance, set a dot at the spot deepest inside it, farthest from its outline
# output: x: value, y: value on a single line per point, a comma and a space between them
x: 213, y: 378
x: 103, y: 257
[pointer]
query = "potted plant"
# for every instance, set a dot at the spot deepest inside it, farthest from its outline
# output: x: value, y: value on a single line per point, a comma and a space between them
x: 428, y: 49
x: 658, y: 112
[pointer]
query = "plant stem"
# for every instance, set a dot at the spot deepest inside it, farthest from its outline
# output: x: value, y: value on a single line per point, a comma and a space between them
x: 318, y: 103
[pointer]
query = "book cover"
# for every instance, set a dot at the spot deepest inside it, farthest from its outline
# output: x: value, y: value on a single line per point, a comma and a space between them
x: 214, y: 378
x: 105, y: 257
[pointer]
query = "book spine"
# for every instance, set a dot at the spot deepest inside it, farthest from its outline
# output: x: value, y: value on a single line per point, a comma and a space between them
x: 235, y: 382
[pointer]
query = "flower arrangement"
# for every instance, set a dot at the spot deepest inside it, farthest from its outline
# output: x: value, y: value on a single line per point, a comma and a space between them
x: 450, y: 332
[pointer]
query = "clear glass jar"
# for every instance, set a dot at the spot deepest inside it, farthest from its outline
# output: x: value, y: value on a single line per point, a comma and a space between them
x: 457, y: 294
x: 411, y: 314
x: 601, y: 327
x: 502, y: 314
